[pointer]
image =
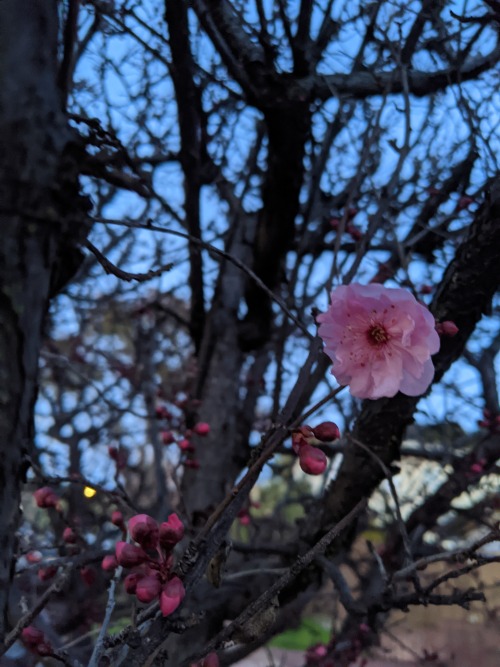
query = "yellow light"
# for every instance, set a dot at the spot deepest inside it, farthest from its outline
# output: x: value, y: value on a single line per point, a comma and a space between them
x: 89, y: 492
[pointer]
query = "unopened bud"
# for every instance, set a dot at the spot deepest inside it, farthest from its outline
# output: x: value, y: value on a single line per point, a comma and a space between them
x: 147, y: 589
x: 109, y: 563
x: 69, y: 536
x: 172, y: 595
x: 144, y: 530
x: 202, y: 428
x: 312, y: 460
x: 171, y: 532
x: 128, y: 555
x: 326, y: 432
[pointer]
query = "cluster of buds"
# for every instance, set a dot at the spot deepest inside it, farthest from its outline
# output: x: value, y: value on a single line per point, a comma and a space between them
x: 210, y: 660
x: 47, y: 498
x: 175, y: 435
x: 151, y: 561
x: 447, y: 328
x: 490, y: 421
x: 313, y: 460
x: 35, y: 641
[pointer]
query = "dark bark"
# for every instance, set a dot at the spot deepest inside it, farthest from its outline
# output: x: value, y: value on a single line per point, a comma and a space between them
x: 464, y: 294
x: 42, y: 219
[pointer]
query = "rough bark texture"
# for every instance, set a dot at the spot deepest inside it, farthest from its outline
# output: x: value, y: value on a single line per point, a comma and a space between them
x: 464, y: 294
x: 38, y: 194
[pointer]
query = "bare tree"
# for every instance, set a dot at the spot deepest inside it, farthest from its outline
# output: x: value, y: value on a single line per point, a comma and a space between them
x: 241, y: 158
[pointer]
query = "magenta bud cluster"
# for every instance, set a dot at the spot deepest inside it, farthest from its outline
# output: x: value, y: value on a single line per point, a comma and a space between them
x: 305, y: 439
x: 46, y: 498
x: 174, y: 433
x: 35, y: 641
x: 151, y: 561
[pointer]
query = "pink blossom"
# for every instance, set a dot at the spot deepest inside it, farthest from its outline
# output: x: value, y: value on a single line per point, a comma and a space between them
x: 171, y: 596
x: 380, y: 340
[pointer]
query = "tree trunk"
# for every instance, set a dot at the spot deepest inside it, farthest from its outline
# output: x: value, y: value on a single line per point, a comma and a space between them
x: 40, y: 228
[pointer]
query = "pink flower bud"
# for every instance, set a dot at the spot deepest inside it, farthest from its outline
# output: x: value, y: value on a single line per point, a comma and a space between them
x: 312, y: 460
x: 88, y: 575
x: 476, y: 468
x: 130, y: 582
x: 117, y: 519
x: 244, y: 519
x: 192, y: 463
x: 69, y: 536
x: 144, y: 530
x: 184, y: 445
x: 46, y: 497
x: 128, y: 555
x: 147, y: 589
x: 447, y: 328
x: 171, y: 596
x: 46, y: 573
x: 211, y: 660
x: 167, y: 437
x: 32, y: 636
x: 171, y: 532
x: 33, y: 557
x: 202, y: 428
x: 326, y: 432
x: 109, y: 563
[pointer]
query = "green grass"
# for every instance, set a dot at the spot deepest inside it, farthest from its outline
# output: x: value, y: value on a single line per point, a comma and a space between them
x: 309, y: 632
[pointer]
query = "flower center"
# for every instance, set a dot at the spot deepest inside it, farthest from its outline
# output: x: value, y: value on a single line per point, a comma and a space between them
x: 377, y: 335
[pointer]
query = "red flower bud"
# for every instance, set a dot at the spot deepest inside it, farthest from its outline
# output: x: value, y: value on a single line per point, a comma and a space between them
x: 171, y: 532
x: 476, y: 468
x: 447, y: 328
x: 312, y: 460
x: 109, y: 563
x: 46, y: 573
x: 69, y: 536
x: 88, y: 575
x: 202, y: 428
x: 130, y: 582
x: 117, y: 519
x: 147, y: 589
x: 426, y: 289
x: 144, y: 530
x: 167, y: 437
x: 192, y: 463
x: 185, y: 445
x: 32, y: 636
x: 46, y: 497
x: 172, y: 595
x: 128, y: 555
x: 211, y: 660
x: 326, y: 432
x: 33, y: 557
